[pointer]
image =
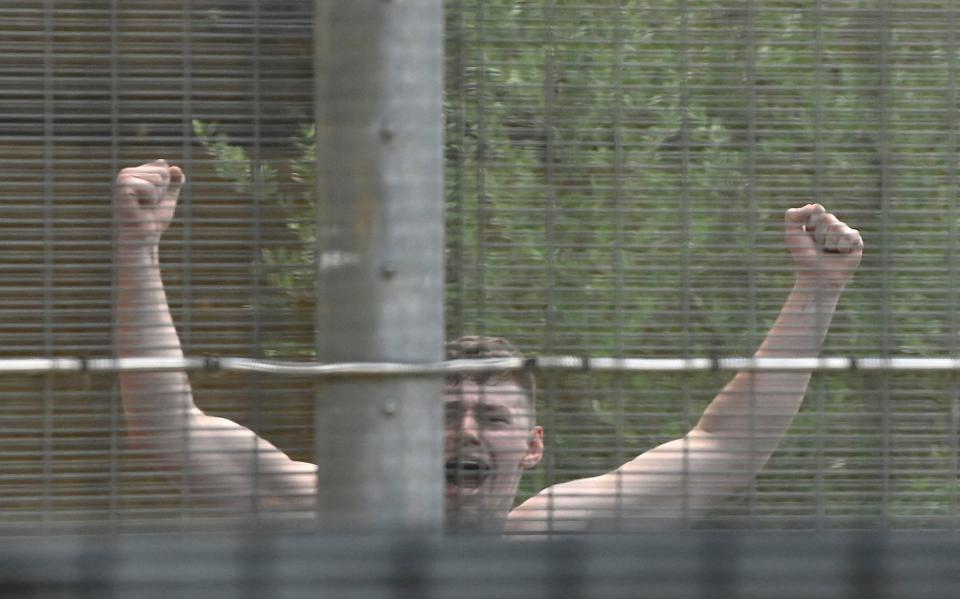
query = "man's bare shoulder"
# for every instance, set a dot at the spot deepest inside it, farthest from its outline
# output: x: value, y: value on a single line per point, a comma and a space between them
x: 562, y: 508
x: 616, y: 501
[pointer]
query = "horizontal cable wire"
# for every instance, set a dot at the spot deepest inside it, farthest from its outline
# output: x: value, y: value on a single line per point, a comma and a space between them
x: 542, y: 363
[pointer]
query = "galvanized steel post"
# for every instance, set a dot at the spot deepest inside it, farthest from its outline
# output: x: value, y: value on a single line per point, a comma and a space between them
x: 378, y: 67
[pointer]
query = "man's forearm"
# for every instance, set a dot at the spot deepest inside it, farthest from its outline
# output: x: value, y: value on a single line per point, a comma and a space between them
x: 762, y: 404
x: 802, y: 325
x: 144, y: 324
x: 145, y: 329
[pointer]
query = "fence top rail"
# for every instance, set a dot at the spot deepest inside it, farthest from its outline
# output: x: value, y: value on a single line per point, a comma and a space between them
x: 541, y: 363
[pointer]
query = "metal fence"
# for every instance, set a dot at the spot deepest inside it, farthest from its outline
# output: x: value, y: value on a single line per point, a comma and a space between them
x: 669, y: 566
x: 619, y: 172
x: 616, y: 178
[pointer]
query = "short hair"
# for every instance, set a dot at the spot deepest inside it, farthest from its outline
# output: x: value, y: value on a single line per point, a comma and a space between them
x: 475, y: 347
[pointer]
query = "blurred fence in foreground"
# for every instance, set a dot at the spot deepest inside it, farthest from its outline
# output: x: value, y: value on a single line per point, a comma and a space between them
x: 786, y: 565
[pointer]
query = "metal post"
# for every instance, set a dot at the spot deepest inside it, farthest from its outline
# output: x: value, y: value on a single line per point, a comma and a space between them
x: 379, y: 259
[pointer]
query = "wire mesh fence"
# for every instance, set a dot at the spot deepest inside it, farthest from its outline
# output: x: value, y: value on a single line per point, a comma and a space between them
x: 669, y: 566
x: 615, y: 161
x: 616, y: 175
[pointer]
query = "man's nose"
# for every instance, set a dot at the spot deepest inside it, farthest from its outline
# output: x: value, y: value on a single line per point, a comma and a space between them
x: 469, y: 428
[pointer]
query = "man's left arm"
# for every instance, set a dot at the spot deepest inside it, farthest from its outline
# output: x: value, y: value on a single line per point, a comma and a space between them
x: 676, y: 483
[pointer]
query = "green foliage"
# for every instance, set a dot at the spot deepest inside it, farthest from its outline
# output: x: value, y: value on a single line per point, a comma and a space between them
x: 288, y: 268
x: 233, y: 163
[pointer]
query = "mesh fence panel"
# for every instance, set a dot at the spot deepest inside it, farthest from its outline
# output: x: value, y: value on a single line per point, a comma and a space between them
x: 670, y: 566
x: 616, y: 177
x: 619, y: 172
x: 93, y: 87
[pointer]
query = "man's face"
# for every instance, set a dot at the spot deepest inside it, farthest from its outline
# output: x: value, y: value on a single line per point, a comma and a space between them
x: 490, y: 440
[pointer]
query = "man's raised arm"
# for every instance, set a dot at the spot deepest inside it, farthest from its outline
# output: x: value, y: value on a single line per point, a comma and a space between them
x: 676, y: 483
x: 220, y: 460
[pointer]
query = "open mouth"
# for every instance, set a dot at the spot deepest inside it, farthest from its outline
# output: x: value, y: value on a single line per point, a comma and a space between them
x: 465, y: 473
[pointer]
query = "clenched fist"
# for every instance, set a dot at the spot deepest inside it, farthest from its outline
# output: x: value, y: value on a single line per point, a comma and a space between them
x: 826, y: 252
x: 146, y: 198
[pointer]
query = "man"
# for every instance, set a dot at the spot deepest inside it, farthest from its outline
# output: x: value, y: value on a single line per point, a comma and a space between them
x: 491, y: 437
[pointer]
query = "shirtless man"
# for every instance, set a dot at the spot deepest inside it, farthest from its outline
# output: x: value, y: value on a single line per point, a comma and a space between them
x: 491, y: 437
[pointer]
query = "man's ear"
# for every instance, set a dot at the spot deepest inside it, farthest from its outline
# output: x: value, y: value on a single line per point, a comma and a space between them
x: 534, y: 448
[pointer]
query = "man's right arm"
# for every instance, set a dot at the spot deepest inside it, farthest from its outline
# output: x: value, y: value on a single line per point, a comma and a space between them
x: 219, y: 460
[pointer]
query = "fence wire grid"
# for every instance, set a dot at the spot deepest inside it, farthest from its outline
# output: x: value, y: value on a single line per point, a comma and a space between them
x: 673, y: 566
x: 616, y: 176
